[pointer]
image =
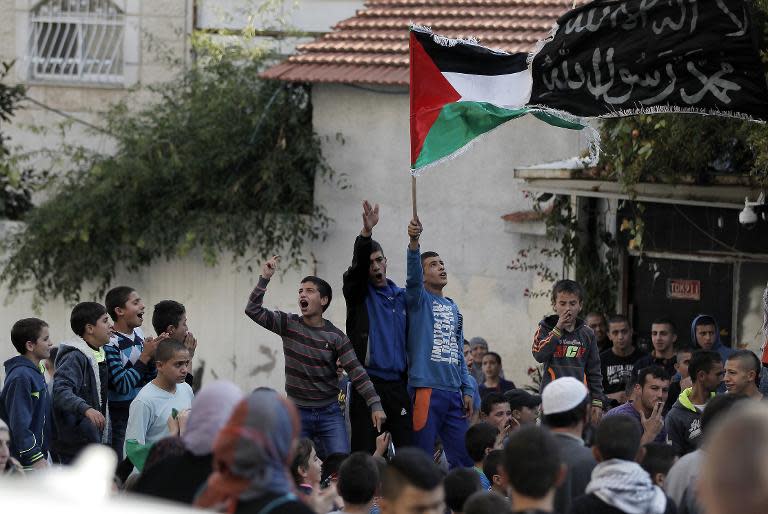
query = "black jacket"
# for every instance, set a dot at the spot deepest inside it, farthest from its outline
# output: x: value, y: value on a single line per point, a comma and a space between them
x: 355, y: 289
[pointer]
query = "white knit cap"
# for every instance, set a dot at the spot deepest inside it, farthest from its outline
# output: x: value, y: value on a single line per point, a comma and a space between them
x: 562, y: 395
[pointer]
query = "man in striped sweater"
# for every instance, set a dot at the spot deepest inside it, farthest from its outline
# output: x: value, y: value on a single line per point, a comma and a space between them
x: 312, y: 345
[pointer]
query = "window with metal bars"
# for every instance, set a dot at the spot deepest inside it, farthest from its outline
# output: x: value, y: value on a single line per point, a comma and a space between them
x: 77, y: 41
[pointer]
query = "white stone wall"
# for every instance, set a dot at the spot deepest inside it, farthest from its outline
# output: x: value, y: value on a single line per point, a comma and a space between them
x: 460, y: 205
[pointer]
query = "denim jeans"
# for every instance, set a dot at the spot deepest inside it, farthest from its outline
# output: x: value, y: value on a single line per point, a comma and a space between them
x: 326, y: 428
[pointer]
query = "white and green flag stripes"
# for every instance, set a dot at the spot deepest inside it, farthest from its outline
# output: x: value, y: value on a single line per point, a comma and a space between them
x: 461, y: 90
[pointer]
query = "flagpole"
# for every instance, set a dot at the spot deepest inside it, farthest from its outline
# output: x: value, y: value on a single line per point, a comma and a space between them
x: 413, y: 196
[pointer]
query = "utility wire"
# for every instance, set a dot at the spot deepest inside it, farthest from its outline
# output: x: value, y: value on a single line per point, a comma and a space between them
x: 67, y: 115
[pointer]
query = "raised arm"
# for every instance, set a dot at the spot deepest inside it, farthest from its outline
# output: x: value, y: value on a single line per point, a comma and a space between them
x: 271, y: 320
x: 355, y: 283
x: 544, y: 342
x: 414, y: 283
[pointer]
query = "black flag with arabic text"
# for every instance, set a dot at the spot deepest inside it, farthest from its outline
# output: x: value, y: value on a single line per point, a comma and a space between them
x: 618, y: 58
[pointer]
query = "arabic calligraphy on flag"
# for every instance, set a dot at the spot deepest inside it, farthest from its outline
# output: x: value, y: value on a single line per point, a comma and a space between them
x: 620, y: 58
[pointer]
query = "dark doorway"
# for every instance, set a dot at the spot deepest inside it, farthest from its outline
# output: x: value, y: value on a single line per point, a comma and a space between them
x: 679, y: 290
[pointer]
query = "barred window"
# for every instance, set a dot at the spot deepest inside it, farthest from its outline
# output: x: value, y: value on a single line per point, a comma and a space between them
x: 77, y: 41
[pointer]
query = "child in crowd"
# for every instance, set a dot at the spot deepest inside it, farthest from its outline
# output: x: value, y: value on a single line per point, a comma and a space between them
x: 80, y: 385
x: 170, y: 317
x: 25, y: 403
x: 129, y: 358
x: 442, y: 391
x: 658, y: 460
x: 460, y: 484
x: 312, y: 345
x: 480, y: 440
x: 358, y: 482
x: 567, y: 346
x: 492, y: 467
x: 160, y: 408
x: 306, y: 467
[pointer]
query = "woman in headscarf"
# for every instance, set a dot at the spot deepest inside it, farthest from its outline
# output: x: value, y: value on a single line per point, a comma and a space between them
x: 177, y: 467
x: 252, y: 455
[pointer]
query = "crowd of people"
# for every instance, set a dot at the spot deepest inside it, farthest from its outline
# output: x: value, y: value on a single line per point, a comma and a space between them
x: 391, y: 416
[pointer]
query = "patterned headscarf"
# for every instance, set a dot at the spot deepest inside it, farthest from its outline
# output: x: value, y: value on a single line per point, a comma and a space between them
x: 211, y: 409
x: 252, y: 453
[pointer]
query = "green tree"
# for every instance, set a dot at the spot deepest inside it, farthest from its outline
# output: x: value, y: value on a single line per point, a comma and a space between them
x: 17, y: 182
x: 220, y: 161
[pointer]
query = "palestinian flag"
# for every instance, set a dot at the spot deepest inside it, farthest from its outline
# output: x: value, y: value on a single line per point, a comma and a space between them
x: 461, y: 90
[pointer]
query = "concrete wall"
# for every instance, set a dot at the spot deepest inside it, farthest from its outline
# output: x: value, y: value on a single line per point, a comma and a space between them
x: 460, y: 205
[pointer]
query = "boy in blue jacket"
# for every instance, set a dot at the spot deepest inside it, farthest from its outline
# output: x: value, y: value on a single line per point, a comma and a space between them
x: 437, y: 372
x: 24, y: 403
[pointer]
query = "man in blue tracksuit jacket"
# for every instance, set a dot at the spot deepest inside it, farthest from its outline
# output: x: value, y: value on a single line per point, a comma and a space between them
x: 437, y: 372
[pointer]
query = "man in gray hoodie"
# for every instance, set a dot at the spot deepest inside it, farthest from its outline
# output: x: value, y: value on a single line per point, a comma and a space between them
x: 683, y: 422
x: 80, y: 383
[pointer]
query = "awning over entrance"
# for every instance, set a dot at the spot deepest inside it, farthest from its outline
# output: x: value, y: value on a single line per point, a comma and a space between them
x: 568, y: 178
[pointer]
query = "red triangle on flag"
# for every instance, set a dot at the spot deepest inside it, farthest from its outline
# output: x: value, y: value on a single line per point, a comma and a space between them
x: 430, y: 91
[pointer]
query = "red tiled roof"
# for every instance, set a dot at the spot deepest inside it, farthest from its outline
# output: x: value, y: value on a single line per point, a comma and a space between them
x: 372, y: 46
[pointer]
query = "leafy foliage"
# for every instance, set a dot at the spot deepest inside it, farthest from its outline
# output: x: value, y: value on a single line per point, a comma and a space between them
x: 17, y: 182
x: 220, y: 161
x: 585, y: 248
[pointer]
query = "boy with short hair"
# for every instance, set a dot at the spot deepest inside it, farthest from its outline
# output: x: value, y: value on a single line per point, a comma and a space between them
x: 492, y: 469
x: 170, y: 317
x: 618, y: 483
x: 25, y: 404
x: 618, y: 362
x: 129, y: 357
x: 533, y: 468
x: 480, y: 440
x: 80, y: 385
x: 312, y: 346
x: 412, y: 482
x: 495, y: 410
x: 567, y: 346
x: 442, y: 390
x: 460, y: 484
x: 681, y: 379
x: 657, y: 460
x: 683, y: 422
x: 663, y: 339
x: 161, y: 402
x: 357, y: 483
x: 742, y: 374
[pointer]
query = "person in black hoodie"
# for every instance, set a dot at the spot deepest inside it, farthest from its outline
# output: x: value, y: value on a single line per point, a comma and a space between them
x: 80, y: 384
x: 24, y: 403
x: 376, y: 327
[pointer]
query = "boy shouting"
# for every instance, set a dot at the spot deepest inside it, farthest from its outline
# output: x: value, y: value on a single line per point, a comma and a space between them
x: 312, y: 345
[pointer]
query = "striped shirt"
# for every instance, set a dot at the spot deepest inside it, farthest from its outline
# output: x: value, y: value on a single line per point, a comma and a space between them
x: 127, y: 374
x: 310, y: 355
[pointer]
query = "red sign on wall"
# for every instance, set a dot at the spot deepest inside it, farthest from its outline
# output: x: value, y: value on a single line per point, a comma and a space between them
x: 683, y: 289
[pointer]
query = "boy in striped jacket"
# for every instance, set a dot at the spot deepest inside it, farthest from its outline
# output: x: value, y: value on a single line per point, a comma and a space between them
x: 312, y: 345
x: 130, y: 358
